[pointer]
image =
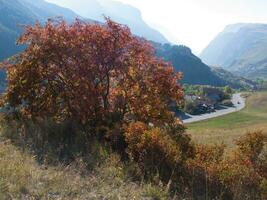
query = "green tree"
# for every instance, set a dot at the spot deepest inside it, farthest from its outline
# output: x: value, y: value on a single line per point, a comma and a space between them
x: 228, y: 90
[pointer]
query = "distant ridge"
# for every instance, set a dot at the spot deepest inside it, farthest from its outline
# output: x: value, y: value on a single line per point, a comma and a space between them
x: 119, y: 12
x: 241, y: 49
x: 24, y: 12
x: 28, y: 12
x: 195, y: 71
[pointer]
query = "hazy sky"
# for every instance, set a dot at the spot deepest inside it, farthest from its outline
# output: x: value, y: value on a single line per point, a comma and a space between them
x: 196, y: 22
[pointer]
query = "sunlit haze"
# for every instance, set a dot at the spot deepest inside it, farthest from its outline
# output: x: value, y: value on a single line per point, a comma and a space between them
x: 193, y: 22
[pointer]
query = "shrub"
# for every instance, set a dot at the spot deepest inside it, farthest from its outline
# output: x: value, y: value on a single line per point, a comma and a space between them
x: 190, y: 107
x: 203, y: 171
x: 228, y: 90
x: 156, y: 193
x: 245, y: 170
x: 240, y: 174
x: 151, y: 147
x: 208, y: 154
x: 251, y: 145
x: 227, y: 102
x: 159, y: 152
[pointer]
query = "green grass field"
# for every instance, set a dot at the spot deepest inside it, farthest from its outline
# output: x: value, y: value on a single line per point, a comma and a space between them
x: 227, y: 128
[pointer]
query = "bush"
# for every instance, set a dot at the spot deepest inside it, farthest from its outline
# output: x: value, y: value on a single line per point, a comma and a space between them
x: 152, y: 148
x: 190, y: 108
x: 98, y: 77
x: 161, y: 153
x: 238, y: 175
x: 203, y: 172
x: 228, y: 90
x: 251, y: 145
x: 227, y: 103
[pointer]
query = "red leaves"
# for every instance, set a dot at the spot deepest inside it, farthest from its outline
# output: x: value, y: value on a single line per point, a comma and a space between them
x: 87, y: 71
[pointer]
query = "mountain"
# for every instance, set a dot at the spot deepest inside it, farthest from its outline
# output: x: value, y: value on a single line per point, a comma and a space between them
x: 119, y: 12
x: 195, y: 71
x: 241, y: 49
x: 15, y: 13
x: 28, y: 11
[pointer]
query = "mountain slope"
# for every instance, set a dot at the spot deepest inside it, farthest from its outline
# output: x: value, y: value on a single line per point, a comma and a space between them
x: 27, y: 12
x: 15, y: 13
x: 12, y: 13
x: 195, y: 71
x: 119, y: 12
x: 240, y: 48
x: 232, y: 80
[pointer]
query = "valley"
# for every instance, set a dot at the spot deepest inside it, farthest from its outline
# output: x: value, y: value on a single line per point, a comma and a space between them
x: 238, y: 104
x: 96, y: 95
x: 228, y: 128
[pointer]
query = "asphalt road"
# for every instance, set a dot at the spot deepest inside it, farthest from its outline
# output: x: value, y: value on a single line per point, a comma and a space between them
x: 238, y: 101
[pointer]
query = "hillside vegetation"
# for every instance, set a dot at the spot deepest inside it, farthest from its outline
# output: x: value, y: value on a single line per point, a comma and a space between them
x: 23, y: 177
x: 34, y: 168
x: 235, y: 81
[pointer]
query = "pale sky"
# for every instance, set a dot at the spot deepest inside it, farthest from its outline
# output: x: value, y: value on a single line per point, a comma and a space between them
x: 196, y: 22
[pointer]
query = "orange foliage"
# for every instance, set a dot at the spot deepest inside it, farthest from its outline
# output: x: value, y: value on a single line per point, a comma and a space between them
x: 87, y: 72
x: 152, y: 144
x: 251, y: 146
x: 238, y: 175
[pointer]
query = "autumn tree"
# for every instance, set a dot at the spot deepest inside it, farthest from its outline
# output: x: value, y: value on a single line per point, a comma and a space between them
x: 86, y: 72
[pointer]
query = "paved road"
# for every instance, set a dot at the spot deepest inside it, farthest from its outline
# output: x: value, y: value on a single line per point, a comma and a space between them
x: 238, y: 101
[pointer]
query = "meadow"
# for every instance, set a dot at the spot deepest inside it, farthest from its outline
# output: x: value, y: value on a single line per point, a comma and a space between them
x: 226, y: 129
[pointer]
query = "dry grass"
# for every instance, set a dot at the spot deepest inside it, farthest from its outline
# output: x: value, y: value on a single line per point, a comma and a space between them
x: 227, y: 129
x: 21, y: 177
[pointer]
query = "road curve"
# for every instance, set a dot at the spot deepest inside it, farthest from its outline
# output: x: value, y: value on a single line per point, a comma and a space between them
x: 238, y: 101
